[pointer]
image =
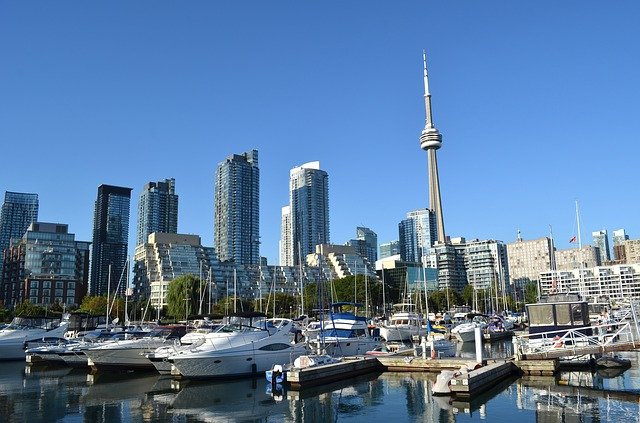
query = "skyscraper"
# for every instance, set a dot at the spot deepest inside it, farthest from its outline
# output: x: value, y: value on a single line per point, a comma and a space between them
x: 366, y: 244
x: 286, y: 251
x: 157, y: 209
x: 309, y: 210
x: 601, y: 240
x: 430, y: 141
x: 19, y: 210
x: 110, y: 239
x: 417, y: 234
x: 236, y: 205
x: 619, y: 237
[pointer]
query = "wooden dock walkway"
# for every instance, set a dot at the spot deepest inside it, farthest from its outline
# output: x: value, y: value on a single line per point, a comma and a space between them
x: 568, y: 351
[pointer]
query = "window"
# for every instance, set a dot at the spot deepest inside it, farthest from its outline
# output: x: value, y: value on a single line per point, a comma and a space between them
x: 275, y: 347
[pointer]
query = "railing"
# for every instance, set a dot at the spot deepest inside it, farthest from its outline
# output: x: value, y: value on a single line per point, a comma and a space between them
x: 574, y: 339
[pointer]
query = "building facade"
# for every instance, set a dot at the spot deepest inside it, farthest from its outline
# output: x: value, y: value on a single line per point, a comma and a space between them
x: 449, y: 259
x: 527, y: 259
x: 618, y: 282
x: 486, y: 265
x: 46, y: 266
x: 619, y: 237
x: 601, y: 240
x: 19, y: 210
x: 110, y: 240
x: 309, y: 210
x: 389, y: 249
x: 576, y: 258
x: 365, y: 243
x: 157, y: 209
x: 286, y: 250
x: 237, y: 209
x: 632, y: 251
x: 417, y: 234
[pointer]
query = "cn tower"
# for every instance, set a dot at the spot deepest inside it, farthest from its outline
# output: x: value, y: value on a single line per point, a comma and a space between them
x: 430, y: 141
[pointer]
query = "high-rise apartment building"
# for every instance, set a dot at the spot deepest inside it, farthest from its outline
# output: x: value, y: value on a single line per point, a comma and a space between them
x: 308, y: 211
x: 46, y: 266
x: 237, y: 209
x: 110, y: 240
x: 601, y: 240
x: 449, y: 258
x: 286, y: 250
x: 619, y: 237
x: 417, y: 234
x: 577, y: 258
x: 632, y: 251
x: 527, y: 259
x: 366, y: 243
x: 157, y: 209
x: 389, y: 249
x: 486, y: 265
x: 19, y: 210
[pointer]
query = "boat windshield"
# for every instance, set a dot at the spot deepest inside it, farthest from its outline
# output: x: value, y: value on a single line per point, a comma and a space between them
x: 233, y: 327
x: 22, y: 323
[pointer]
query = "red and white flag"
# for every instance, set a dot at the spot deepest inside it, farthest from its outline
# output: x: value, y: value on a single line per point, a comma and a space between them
x: 573, y: 239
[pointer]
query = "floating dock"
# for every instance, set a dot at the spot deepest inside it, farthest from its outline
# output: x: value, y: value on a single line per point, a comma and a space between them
x: 481, y: 379
x: 327, y: 373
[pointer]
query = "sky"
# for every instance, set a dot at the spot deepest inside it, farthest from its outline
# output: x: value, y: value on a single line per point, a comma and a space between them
x: 537, y: 103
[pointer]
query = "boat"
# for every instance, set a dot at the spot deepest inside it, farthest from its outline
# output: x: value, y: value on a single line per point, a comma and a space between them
x: 129, y: 353
x: 498, y: 328
x: 465, y: 332
x: 247, y: 346
x: 29, y: 331
x: 344, y: 334
x: 404, y: 324
x: 559, y: 313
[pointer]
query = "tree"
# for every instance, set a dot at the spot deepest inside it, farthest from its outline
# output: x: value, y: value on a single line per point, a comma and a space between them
x: 96, y: 305
x: 183, y: 296
x: 531, y: 293
x: 443, y: 299
x: 467, y: 294
x: 27, y: 309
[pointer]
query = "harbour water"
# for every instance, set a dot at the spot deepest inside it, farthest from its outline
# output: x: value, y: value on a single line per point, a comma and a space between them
x: 41, y: 394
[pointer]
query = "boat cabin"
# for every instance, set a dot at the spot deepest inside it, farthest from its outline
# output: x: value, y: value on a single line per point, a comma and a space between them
x: 559, y: 312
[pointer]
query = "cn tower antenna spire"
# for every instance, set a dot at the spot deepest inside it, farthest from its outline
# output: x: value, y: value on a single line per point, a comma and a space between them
x: 430, y: 141
x: 427, y: 94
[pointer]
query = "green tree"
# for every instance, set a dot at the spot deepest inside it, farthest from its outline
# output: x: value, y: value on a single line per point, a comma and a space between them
x: 442, y: 299
x: 27, y: 309
x: 226, y: 305
x: 96, y: 305
x: 531, y: 292
x: 467, y: 294
x: 183, y: 296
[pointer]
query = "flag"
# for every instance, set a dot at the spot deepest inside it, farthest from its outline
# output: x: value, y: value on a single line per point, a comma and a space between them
x: 573, y: 239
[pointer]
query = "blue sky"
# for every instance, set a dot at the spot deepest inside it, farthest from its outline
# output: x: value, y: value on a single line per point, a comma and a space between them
x: 537, y: 103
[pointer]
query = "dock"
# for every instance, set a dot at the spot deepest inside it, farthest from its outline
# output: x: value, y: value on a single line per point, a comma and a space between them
x: 479, y: 380
x: 327, y: 373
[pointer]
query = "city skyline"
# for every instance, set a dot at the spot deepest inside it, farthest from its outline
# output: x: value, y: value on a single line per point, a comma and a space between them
x: 522, y: 124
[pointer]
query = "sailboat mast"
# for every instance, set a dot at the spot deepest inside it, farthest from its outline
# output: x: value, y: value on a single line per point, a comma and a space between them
x: 108, y: 290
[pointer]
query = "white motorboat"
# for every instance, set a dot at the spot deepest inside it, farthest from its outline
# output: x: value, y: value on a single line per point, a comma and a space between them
x: 129, y: 354
x: 248, y: 346
x: 403, y: 325
x: 23, y: 331
x: 344, y: 334
x: 465, y: 332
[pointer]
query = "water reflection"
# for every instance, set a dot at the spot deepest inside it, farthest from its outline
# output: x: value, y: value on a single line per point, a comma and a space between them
x: 62, y: 394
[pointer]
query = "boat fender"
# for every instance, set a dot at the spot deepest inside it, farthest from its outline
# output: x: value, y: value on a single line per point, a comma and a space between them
x: 298, y: 337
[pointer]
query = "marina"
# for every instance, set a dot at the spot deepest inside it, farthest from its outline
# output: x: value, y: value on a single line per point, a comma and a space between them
x: 40, y: 394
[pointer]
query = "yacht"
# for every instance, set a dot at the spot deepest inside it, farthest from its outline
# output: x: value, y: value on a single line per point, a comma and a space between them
x: 465, y: 332
x: 344, y: 334
x: 129, y: 353
x: 403, y: 325
x: 28, y: 331
x: 247, y: 345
